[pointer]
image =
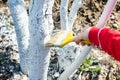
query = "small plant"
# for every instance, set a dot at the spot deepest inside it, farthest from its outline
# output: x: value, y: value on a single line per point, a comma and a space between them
x: 118, y: 78
x: 1, y: 59
x: 90, y: 64
x: 7, y: 24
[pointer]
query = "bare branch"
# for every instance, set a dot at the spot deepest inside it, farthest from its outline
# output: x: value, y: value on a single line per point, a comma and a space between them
x: 73, y: 13
x: 64, y: 14
x: 106, y: 13
x: 78, y: 61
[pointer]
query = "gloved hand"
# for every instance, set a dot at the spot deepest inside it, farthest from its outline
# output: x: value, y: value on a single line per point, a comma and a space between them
x: 82, y: 36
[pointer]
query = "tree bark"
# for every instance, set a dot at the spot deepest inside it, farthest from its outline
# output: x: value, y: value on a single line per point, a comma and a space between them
x: 20, y: 18
x: 41, y: 25
x: 64, y: 14
x: 70, y: 51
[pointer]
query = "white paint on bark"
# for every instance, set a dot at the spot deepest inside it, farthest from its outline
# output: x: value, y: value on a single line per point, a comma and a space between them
x: 68, y: 54
x: 73, y: 13
x: 106, y: 13
x: 20, y: 18
x: 70, y: 69
x: 41, y: 24
x: 67, y: 20
x: 64, y: 14
x: 75, y: 64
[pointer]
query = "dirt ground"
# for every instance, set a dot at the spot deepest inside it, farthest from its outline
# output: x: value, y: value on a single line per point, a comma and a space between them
x: 88, y: 14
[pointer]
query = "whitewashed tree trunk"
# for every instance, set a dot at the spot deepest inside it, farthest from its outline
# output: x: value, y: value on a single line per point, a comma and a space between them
x: 20, y: 18
x: 41, y: 24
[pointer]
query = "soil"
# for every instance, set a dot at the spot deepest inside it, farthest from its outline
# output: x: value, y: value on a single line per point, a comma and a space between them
x: 88, y: 14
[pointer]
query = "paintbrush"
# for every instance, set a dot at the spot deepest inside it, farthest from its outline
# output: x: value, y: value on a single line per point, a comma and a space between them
x: 62, y: 38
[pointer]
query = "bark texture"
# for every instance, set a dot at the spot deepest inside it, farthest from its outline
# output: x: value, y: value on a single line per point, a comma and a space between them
x: 20, y: 18
x: 41, y: 25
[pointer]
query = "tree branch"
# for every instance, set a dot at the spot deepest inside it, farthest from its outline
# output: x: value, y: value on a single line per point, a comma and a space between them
x: 106, y: 13
x: 73, y: 13
x: 20, y: 18
x: 64, y: 14
x: 69, y: 70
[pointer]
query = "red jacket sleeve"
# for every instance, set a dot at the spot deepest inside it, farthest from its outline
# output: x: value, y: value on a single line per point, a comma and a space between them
x: 107, y: 39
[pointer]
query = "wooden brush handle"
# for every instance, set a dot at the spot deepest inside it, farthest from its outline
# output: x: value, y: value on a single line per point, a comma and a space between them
x: 86, y: 42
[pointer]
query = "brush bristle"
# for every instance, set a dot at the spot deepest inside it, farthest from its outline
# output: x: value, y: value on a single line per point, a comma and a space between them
x: 54, y: 38
x: 49, y: 45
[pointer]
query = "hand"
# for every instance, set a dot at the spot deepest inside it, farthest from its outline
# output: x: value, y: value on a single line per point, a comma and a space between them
x: 83, y: 35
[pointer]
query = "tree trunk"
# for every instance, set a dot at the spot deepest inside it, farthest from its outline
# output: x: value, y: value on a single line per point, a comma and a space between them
x: 41, y: 25
x: 20, y: 18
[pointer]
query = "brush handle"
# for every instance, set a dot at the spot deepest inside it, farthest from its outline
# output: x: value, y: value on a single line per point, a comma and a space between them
x: 86, y: 42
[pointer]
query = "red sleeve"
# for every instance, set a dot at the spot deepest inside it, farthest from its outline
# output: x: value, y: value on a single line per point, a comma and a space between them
x: 108, y: 39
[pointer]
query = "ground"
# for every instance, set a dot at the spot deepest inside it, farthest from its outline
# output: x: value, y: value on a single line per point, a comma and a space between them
x: 107, y: 68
